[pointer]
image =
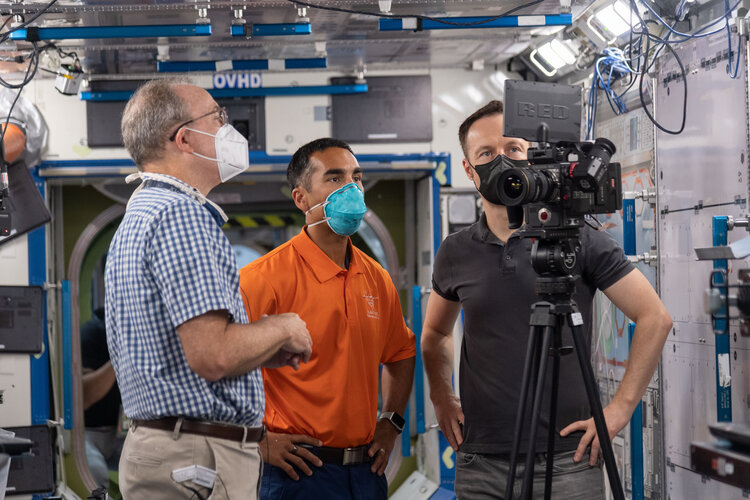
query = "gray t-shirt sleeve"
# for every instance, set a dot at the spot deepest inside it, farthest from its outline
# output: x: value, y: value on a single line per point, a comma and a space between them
x: 442, y: 275
x: 604, y: 261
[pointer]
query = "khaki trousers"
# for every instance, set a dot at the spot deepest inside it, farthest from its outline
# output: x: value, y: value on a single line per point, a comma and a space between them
x: 150, y: 455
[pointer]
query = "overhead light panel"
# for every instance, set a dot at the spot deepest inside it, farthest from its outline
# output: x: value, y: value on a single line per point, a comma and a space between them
x: 611, y: 20
x: 563, y: 50
x: 551, y: 57
x: 417, y: 24
x: 89, y: 32
x: 554, y: 55
x: 543, y: 65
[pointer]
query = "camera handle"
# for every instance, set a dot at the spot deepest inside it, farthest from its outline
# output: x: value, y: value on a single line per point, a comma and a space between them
x: 542, y: 135
x: 546, y: 321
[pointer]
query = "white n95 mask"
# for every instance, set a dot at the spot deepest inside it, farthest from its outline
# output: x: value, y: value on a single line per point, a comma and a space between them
x: 231, y: 151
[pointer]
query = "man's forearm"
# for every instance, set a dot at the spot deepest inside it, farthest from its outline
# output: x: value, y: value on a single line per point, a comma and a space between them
x: 253, y: 348
x: 97, y: 383
x: 216, y: 349
x: 645, y: 352
x: 397, y: 381
x: 437, y: 354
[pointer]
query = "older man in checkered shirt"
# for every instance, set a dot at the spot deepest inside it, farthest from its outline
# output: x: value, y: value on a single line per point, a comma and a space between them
x: 185, y: 358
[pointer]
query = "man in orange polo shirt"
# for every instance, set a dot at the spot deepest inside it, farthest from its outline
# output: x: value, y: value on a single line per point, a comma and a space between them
x: 322, y: 418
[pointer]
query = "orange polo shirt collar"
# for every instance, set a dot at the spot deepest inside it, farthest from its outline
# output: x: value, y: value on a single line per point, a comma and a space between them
x: 321, y: 265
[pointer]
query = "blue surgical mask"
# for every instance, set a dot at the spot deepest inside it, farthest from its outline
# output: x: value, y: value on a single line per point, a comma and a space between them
x: 343, y: 209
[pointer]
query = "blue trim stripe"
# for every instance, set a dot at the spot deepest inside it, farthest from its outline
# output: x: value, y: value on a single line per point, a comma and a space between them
x: 256, y: 92
x: 307, y: 63
x: 120, y: 95
x: 721, y: 326
x: 39, y: 365
x: 416, y: 326
x: 88, y: 32
x: 67, y: 348
x: 244, y: 65
x: 636, y: 438
x: 290, y: 91
x: 184, y: 66
x: 503, y: 22
x: 436, y: 220
x: 628, y: 227
x: 406, y: 434
x: 281, y: 29
x: 256, y: 157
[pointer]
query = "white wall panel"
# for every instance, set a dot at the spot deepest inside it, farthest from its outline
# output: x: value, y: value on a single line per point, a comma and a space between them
x: 705, y: 165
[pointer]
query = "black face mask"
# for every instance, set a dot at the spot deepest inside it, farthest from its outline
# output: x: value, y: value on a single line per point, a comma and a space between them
x: 489, y: 174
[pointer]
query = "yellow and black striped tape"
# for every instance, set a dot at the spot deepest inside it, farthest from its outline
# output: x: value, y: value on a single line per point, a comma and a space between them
x: 255, y: 221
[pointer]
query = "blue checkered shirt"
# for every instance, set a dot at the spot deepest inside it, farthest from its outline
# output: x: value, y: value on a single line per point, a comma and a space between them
x: 169, y: 262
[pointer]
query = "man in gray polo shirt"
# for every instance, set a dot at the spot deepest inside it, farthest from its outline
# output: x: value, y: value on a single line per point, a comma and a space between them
x: 486, y: 269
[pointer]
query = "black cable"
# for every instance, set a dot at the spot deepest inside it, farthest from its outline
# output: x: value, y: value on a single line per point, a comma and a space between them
x: 417, y: 16
x: 195, y: 492
x: 684, y: 101
x: 4, y: 186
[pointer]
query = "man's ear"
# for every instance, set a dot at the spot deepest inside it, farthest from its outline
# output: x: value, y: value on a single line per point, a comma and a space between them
x: 470, y: 172
x: 181, y: 141
x: 299, y: 196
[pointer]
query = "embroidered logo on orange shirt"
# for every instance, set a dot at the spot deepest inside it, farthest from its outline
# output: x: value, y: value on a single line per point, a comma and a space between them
x: 372, y: 310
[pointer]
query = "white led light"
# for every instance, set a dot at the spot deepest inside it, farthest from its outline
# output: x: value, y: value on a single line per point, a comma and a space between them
x: 540, y: 65
x: 612, y: 21
x: 551, y: 56
x: 564, y: 51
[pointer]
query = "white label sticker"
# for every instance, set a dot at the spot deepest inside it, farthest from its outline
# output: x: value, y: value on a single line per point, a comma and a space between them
x: 382, y: 136
x: 223, y: 65
x: 276, y: 64
x: 577, y: 319
x: 725, y: 377
x: 409, y: 23
x: 532, y: 20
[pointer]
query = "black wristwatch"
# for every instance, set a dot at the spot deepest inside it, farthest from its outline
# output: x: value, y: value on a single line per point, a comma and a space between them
x: 394, y: 418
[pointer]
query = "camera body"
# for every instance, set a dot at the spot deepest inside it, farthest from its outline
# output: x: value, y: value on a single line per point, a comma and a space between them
x: 562, y: 184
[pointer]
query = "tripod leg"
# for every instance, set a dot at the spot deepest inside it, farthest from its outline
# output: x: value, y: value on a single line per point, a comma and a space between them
x: 528, y: 474
x: 530, y: 366
x: 556, y: 344
x: 596, y: 409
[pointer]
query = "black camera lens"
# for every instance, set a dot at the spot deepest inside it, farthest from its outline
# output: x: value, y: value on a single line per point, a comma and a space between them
x: 518, y: 186
x: 513, y: 186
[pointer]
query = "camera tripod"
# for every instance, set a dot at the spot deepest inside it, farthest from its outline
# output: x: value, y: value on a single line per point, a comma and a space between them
x: 546, y: 322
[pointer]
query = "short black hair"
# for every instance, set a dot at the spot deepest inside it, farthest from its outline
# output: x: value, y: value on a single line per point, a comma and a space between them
x: 489, y: 109
x: 298, y: 171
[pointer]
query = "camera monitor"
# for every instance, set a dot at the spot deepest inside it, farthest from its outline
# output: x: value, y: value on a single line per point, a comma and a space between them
x: 24, y: 208
x: 529, y: 106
